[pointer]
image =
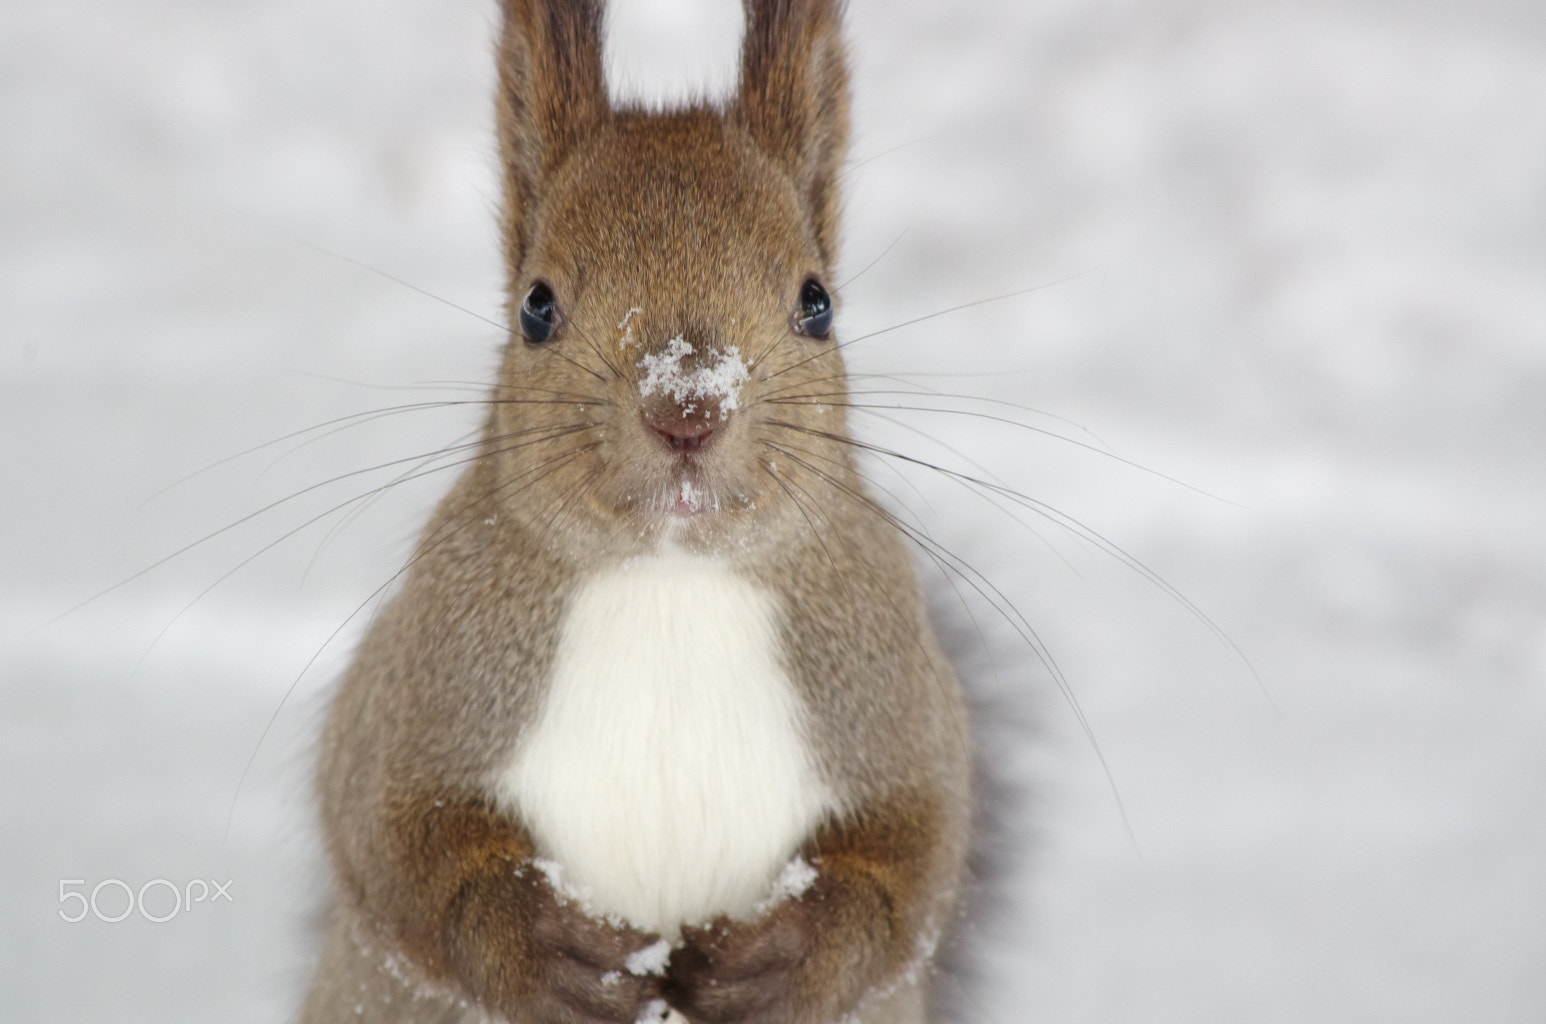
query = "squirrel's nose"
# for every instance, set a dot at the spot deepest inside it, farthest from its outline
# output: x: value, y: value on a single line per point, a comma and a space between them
x: 683, y: 431
x: 690, y: 384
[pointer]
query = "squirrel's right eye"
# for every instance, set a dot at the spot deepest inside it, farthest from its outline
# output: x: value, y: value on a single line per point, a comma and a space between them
x: 539, y: 314
x: 815, y: 319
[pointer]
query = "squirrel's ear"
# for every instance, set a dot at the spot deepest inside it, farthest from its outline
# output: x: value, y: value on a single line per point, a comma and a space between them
x: 552, y: 95
x: 793, y: 100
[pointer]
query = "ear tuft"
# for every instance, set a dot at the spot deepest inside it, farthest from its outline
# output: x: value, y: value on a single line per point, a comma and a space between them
x: 793, y: 100
x: 552, y: 96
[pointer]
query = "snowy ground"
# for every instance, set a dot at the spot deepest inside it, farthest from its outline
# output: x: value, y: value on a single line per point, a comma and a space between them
x: 1311, y: 248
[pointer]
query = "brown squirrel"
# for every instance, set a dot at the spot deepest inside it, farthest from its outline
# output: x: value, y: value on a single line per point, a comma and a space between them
x: 657, y: 724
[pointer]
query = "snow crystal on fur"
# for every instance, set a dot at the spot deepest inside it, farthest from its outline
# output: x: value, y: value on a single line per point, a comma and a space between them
x: 649, y: 961
x: 720, y: 379
x: 792, y: 882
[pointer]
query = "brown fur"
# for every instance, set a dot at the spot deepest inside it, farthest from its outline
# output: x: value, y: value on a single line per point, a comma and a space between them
x: 708, y: 221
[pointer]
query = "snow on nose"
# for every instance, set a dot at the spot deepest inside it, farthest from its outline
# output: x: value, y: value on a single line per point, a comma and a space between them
x: 689, y: 393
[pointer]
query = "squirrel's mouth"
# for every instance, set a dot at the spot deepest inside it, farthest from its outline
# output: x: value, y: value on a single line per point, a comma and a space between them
x: 688, y: 494
x: 689, y: 491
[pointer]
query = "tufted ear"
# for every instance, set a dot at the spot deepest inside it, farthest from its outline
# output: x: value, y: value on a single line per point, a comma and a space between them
x: 552, y: 95
x: 793, y: 100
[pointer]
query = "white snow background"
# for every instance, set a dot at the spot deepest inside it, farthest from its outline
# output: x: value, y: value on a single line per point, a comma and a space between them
x: 1295, y: 257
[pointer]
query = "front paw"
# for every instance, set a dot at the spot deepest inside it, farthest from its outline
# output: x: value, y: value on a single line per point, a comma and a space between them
x: 581, y: 969
x: 795, y: 964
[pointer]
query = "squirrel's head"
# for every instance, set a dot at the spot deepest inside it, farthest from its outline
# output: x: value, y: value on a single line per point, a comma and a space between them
x: 672, y: 370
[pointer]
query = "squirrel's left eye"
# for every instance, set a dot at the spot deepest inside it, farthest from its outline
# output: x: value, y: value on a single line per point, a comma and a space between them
x: 815, y: 319
x: 539, y: 314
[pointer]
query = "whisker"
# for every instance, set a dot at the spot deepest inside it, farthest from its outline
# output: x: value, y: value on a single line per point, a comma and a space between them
x: 842, y: 578
x: 845, y: 172
x: 805, y: 514
x: 615, y: 368
x: 533, y: 475
x: 353, y: 514
x: 931, y: 316
x: 314, y: 519
x: 999, y: 601
x: 576, y: 397
x: 487, y: 402
x: 262, y: 511
x: 1066, y: 522
x: 425, y: 546
x: 566, y: 506
x: 1044, y: 432
x: 362, y: 417
x: 970, y: 305
x: 557, y: 352
x: 464, y: 516
x: 913, y: 390
x: 871, y: 264
x: 970, y: 461
x: 406, y: 284
x: 340, y: 423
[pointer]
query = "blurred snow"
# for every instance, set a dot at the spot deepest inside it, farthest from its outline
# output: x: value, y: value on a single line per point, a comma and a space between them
x: 1294, y: 256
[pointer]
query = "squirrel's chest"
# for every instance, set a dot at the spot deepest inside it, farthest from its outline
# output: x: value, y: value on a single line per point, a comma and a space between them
x: 667, y: 770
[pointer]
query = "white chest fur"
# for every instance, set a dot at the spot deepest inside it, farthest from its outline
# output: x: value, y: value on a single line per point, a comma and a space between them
x: 667, y: 770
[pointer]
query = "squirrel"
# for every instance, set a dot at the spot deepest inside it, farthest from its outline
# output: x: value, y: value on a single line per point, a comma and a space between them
x: 657, y: 726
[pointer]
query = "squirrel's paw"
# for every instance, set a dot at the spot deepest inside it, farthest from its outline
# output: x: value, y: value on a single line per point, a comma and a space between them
x: 757, y: 972
x: 579, y: 966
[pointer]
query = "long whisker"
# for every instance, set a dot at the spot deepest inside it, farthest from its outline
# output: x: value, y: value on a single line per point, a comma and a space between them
x: 566, y: 507
x: 970, y: 305
x: 986, y: 472
x: 424, y: 548
x: 1064, y: 521
x: 462, y: 518
x: 871, y: 264
x: 601, y: 353
x: 842, y: 577
x: 556, y: 352
x: 365, y: 416
x: 805, y: 514
x: 407, y: 284
x: 251, y: 516
x: 342, y: 505
x: 360, y: 509
x: 577, y: 397
x: 1041, y: 649
x: 930, y: 316
x: 337, y: 424
x: 486, y: 402
x: 945, y: 574
x: 885, y: 153
x: 916, y: 390
x: 999, y: 601
x: 1044, y: 432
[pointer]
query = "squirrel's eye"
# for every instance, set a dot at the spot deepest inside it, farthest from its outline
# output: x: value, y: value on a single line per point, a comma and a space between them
x: 539, y: 314
x: 815, y: 320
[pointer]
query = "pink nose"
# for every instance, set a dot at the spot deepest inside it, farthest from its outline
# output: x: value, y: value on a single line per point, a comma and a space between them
x: 682, y: 433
